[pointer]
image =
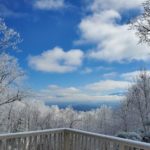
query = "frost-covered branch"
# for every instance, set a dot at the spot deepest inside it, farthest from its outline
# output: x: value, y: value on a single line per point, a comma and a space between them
x: 141, y: 24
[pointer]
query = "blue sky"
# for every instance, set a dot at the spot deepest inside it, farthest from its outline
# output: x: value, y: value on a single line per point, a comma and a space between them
x: 77, y: 50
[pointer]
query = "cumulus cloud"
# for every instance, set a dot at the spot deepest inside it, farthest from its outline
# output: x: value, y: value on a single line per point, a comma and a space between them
x: 100, y: 91
x: 49, y: 4
x: 113, y: 41
x: 57, y: 60
x: 107, y: 86
x: 130, y: 76
x: 72, y: 94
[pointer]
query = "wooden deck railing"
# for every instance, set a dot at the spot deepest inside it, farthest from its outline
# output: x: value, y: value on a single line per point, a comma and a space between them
x: 67, y: 139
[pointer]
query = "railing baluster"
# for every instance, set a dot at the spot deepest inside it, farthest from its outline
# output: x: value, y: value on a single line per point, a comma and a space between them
x: 62, y: 138
x: 78, y: 141
x: 24, y: 143
x: 75, y: 141
x: 83, y: 142
x: 89, y: 144
x: 49, y: 142
x: 55, y: 141
x: 59, y: 141
x: 40, y: 142
x: 79, y: 145
x: 66, y: 141
x: 4, y: 144
x: 121, y: 146
x: 19, y: 144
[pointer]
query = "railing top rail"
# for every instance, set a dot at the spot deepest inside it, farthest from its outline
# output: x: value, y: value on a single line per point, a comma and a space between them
x: 111, y: 138
x: 22, y: 134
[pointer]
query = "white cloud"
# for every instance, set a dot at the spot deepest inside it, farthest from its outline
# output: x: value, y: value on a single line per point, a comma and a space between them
x: 49, y: 4
x: 110, y: 75
x: 113, y: 41
x: 98, y: 91
x: 107, y: 86
x: 57, y: 60
x: 130, y: 76
x: 98, y: 5
x: 73, y: 94
x: 93, y: 27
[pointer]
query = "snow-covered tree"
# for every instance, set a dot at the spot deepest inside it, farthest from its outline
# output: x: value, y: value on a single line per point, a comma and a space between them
x: 138, y: 98
x: 10, y: 77
x: 9, y: 38
x: 141, y: 24
x: 10, y: 72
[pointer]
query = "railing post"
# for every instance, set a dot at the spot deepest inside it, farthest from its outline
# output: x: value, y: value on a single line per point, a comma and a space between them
x: 66, y: 140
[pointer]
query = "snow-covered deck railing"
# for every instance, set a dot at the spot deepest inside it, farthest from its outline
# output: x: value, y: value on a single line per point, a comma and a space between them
x: 66, y: 139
